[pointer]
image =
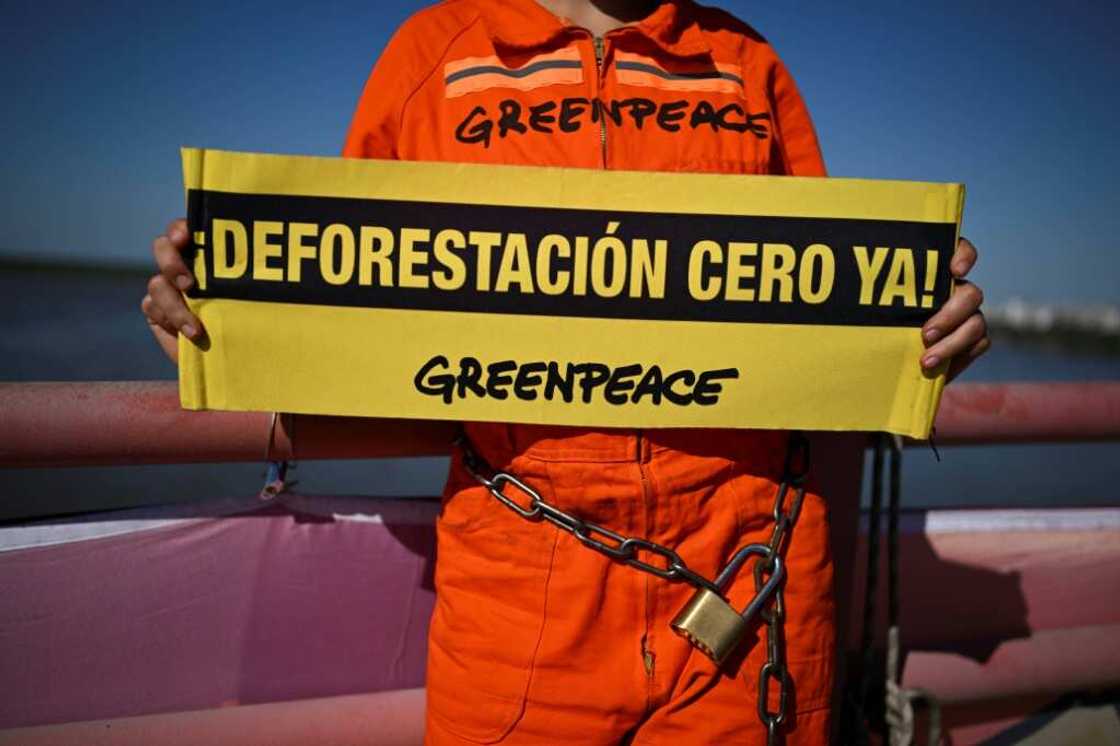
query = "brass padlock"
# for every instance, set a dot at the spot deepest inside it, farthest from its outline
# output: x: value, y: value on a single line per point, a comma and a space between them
x: 710, y: 623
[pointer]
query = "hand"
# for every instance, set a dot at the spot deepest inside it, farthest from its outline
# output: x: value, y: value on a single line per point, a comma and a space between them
x: 958, y: 330
x: 163, y: 306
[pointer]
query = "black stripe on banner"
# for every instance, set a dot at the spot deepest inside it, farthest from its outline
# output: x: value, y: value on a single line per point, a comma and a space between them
x: 521, y: 72
x: 706, y: 75
x: 681, y: 231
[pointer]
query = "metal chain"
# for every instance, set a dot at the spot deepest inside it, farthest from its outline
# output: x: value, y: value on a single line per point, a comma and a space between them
x: 774, y: 669
x: 672, y: 567
x: 600, y: 538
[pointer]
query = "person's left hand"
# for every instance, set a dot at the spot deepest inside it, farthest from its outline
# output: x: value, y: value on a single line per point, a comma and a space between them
x: 958, y: 330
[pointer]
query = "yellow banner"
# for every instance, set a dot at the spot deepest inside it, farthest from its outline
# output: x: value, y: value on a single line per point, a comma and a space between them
x: 563, y: 296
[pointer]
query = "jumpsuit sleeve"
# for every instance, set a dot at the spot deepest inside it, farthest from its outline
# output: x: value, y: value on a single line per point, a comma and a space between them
x: 376, y: 127
x: 796, y: 151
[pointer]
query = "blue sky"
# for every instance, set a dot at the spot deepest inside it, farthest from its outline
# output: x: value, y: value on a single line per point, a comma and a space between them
x: 1017, y: 100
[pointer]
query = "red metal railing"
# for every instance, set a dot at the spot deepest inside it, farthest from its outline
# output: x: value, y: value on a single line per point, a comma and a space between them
x: 980, y: 413
x: 140, y: 422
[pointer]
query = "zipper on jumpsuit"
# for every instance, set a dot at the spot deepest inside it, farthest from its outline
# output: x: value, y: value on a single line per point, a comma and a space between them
x: 599, y: 46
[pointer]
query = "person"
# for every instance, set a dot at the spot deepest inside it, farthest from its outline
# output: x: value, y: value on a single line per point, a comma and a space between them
x: 536, y: 639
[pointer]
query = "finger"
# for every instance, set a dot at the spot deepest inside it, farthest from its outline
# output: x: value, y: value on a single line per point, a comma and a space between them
x: 152, y: 313
x: 177, y: 232
x: 176, y: 315
x: 967, y: 334
x: 961, y: 362
x: 156, y: 316
x: 963, y: 303
x: 169, y: 259
x: 964, y: 258
x: 168, y: 342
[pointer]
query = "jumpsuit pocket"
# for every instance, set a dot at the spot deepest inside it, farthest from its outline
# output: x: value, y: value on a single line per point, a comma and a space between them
x: 812, y: 683
x: 492, y: 578
x: 808, y: 708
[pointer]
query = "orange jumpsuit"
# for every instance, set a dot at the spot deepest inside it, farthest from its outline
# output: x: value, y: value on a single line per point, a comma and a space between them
x: 536, y: 639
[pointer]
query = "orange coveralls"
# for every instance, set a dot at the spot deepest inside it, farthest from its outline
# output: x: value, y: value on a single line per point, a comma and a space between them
x: 535, y: 638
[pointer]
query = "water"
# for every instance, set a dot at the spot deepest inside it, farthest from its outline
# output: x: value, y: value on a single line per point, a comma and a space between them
x: 69, y: 325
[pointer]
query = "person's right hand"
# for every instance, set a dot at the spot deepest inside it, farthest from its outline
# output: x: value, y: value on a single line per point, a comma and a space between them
x: 163, y: 306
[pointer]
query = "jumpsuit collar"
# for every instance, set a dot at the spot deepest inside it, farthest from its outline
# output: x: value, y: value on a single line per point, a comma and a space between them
x: 526, y: 24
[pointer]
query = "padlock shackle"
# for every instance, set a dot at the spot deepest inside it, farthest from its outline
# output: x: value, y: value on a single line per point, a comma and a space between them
x: 763, y: 594
x: 767, y: 590
x: 731, y: 569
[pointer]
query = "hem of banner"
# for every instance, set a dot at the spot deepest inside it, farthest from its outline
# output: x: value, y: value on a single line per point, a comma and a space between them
x: 919, y: 428
x: 191, y: 397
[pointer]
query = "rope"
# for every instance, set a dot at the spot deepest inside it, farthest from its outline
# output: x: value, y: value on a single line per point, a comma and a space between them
x: 898, y: 703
